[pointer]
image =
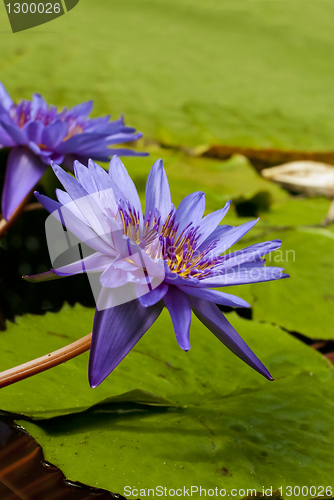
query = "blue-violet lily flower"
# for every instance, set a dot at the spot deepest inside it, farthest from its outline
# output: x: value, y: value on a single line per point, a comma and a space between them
x: 38, y: 134
x: 191, y: 247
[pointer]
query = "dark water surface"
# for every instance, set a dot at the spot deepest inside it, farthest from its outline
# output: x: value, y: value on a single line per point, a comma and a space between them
x: 25, y: 475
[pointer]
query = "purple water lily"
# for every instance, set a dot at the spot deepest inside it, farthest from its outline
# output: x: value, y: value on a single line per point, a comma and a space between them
x: 104, y: 210
x: 38, y: 134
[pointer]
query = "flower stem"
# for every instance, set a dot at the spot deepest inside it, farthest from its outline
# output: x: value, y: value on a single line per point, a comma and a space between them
x: 46, y: 362
x: 5, y: 225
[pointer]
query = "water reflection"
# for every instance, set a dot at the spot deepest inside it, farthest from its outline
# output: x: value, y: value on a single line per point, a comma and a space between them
x: 25, y: 475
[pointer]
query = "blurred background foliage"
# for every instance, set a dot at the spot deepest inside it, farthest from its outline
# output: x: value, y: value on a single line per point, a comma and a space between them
x: 248, y: 73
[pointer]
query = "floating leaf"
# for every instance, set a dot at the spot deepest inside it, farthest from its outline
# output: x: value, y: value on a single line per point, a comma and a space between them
x: 37, y: 335
x: 231, y: 429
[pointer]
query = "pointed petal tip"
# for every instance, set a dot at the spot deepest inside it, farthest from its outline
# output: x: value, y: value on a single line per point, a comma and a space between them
x: 158, y: 164
x: 56, y: 168
x: 38, y: 196
x: 92, y: 384
x: 36, y: 278
x: 77, y: 162
x: 185, y: 348
x: 95, y: 379
x: 263, y: 371
x: 115, y: 160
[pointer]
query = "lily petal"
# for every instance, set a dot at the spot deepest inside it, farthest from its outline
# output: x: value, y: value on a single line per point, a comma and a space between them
x: 123, y: 137
x: 210, y: 315
x: 17, y: 134
x: 115, y: 332
x: 225, y: 299
x: 34, y: 131
x: 233, y: 236
x: 179, y: 309
x: 157, y: 192
x: 81, y: 142
x: 24, y: 170
x: 5, y: 99
x: 119, y: 175
x: 191, y: 209
x: 53, y: 134
x: 38, y: 103
x: 75, y: 225
x: 125, y: 152
x: 85, y: 202
x: 37, y: 278
x: 35, y: 149
x: 216, y: 235
x: 80, y: 110
x: 99, y: 176
x: 5, y: 140
x: 250, y: 254
x: 149, y: 299
x: 65, y: 199
x: 94, y: 262
x: 244, y: 275
x: 210, y: 223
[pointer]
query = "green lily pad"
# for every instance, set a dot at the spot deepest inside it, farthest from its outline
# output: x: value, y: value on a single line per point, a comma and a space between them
x: 34, y: 336
x: 231, y: 428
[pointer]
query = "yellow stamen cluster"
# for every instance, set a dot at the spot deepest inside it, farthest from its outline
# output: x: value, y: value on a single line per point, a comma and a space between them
x: 184, y: 263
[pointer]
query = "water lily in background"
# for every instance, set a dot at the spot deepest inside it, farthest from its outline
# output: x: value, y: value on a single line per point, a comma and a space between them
x: 38, y: 134
x: 104, y: 210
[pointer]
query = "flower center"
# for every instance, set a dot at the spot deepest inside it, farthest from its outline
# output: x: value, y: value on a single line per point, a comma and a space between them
x: 179, y: 251
x: 24, y: 112
x: 74, y: 130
